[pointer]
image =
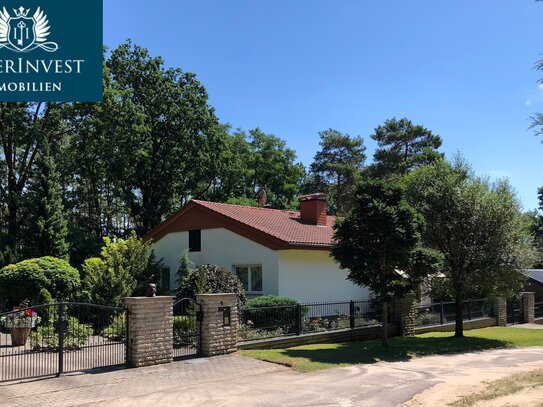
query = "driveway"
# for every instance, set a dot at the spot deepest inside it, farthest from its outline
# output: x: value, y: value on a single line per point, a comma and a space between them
x: 234, y: 380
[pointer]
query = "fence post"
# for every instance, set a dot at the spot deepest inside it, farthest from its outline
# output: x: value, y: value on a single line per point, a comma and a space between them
x: 60, y: 329
x: 351, y: 314
x: 298, y: 321
x: 528, y: 307
x: 442, y: 314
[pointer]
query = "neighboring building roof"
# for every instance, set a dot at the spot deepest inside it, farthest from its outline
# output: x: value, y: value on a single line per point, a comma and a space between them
x: 536, y: 274
x: 276, y: 229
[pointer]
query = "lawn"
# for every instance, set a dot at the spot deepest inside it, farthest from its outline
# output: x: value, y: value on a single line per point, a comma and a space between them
x: 309, y: 358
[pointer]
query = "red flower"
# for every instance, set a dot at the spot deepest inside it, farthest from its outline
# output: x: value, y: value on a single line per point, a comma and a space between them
x: 28, y: 312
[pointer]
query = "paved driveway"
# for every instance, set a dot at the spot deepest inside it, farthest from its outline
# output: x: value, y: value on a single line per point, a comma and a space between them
x: 238, y: 381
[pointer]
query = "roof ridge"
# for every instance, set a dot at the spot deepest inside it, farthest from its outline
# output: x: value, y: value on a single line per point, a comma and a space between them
x: 246, y: 206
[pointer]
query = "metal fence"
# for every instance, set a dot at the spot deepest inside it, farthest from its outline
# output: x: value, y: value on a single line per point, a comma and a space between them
x: 273, y: 322
x: 538, y: 312
x: 440, y: 313
x: 52, y: 339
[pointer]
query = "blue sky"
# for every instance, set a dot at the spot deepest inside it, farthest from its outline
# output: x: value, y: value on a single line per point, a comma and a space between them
x: 462, y: 68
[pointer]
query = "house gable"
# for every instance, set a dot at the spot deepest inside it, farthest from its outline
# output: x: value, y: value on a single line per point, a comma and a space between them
x: 194, y: 216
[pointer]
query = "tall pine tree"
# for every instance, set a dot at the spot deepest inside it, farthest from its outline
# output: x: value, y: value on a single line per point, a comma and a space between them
x: 402, y: 147
x: 336, y: 169
x: 46, y: 224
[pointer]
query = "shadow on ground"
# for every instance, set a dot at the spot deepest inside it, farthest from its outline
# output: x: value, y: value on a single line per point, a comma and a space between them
x: 399, y: 349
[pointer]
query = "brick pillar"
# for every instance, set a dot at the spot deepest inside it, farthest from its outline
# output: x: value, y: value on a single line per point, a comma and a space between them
x: 499, y: 309
x: 528, y: 307
x: 218, y: 338
x: 150, y: 330
x: 404, y: 314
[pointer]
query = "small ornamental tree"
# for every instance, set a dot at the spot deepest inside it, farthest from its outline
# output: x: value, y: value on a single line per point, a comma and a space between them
x: 183, y: 270
x: 376, y: 243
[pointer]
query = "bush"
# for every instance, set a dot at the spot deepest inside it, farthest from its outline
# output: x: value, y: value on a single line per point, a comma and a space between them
x: 116, y: 331
x: 211, y: 279
x: 270, y: 301
x: 124, y: 268
x: 45, y: 338
x: 27, y: 278
x: 185, y: 330
x: 270, y: 312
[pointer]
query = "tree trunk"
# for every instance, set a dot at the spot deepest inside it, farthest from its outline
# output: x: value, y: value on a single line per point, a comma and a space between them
x: 459, y: 328
x: 384, y: 317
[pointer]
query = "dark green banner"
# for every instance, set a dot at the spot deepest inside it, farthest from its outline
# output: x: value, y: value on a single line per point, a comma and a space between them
x: 51, y: 50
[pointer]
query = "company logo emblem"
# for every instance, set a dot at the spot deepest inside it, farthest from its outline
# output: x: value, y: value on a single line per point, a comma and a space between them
x: 21, y: 33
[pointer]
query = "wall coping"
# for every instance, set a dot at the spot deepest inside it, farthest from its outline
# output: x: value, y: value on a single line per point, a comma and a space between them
x: 222, y: 295
x: 162, y: 298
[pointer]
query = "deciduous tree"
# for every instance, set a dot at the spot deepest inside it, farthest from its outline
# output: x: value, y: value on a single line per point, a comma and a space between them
x: 477, y: 226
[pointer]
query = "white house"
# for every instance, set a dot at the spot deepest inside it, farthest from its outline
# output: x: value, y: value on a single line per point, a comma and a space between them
x: 272, y: 251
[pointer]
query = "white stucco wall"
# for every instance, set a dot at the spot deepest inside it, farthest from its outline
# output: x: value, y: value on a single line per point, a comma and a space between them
x: 311, y: 275
x: 307, y: 275
x: 223, y: 248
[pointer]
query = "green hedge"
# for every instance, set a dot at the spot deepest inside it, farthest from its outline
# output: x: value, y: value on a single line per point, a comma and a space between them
x: 28, y: 278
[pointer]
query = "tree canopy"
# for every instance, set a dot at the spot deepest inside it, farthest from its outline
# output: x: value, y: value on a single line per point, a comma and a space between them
x: 477, y: 226
x: 378, y: 243
x: 336, y: 168
x: 402, y: 147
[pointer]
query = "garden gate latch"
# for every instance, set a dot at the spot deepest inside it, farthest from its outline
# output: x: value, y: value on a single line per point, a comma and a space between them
x: 61, y: 325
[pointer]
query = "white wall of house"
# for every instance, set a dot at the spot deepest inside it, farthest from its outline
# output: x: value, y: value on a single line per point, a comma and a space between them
x: 307, y: 275
x: 223, y: 248
x: 312, y: 275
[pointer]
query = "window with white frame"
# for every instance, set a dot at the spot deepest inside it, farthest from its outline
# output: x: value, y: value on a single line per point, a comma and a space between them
x: 250, y: 276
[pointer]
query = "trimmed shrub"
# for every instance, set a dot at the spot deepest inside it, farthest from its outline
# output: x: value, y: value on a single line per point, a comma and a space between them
x: 211, y: 279
x: 270, y: 301
x: 27, y: 278
x: 270, y: 312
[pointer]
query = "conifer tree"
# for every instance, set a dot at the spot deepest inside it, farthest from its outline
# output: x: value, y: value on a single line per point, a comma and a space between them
x: 46, y: 221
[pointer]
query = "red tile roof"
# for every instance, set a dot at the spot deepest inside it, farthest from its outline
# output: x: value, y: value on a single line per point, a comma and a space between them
x: 276, y: 229
x: 281, y: 224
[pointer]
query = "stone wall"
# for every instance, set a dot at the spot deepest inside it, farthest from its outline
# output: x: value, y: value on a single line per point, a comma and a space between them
x: 150, y: 330
x: 218, y: 337
x: 473, y: 324
x: 344, y: 335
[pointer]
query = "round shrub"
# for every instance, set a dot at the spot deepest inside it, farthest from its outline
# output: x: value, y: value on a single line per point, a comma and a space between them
x: 211, y: 279
x: 27, y: 278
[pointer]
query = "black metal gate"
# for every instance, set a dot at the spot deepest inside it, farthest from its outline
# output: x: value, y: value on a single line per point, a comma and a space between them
x: 514, y: 311
x: 54, y: 339
x: 187, y: 318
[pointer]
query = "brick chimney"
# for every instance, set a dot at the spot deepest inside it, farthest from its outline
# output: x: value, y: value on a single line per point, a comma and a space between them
x: 313, y: 209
